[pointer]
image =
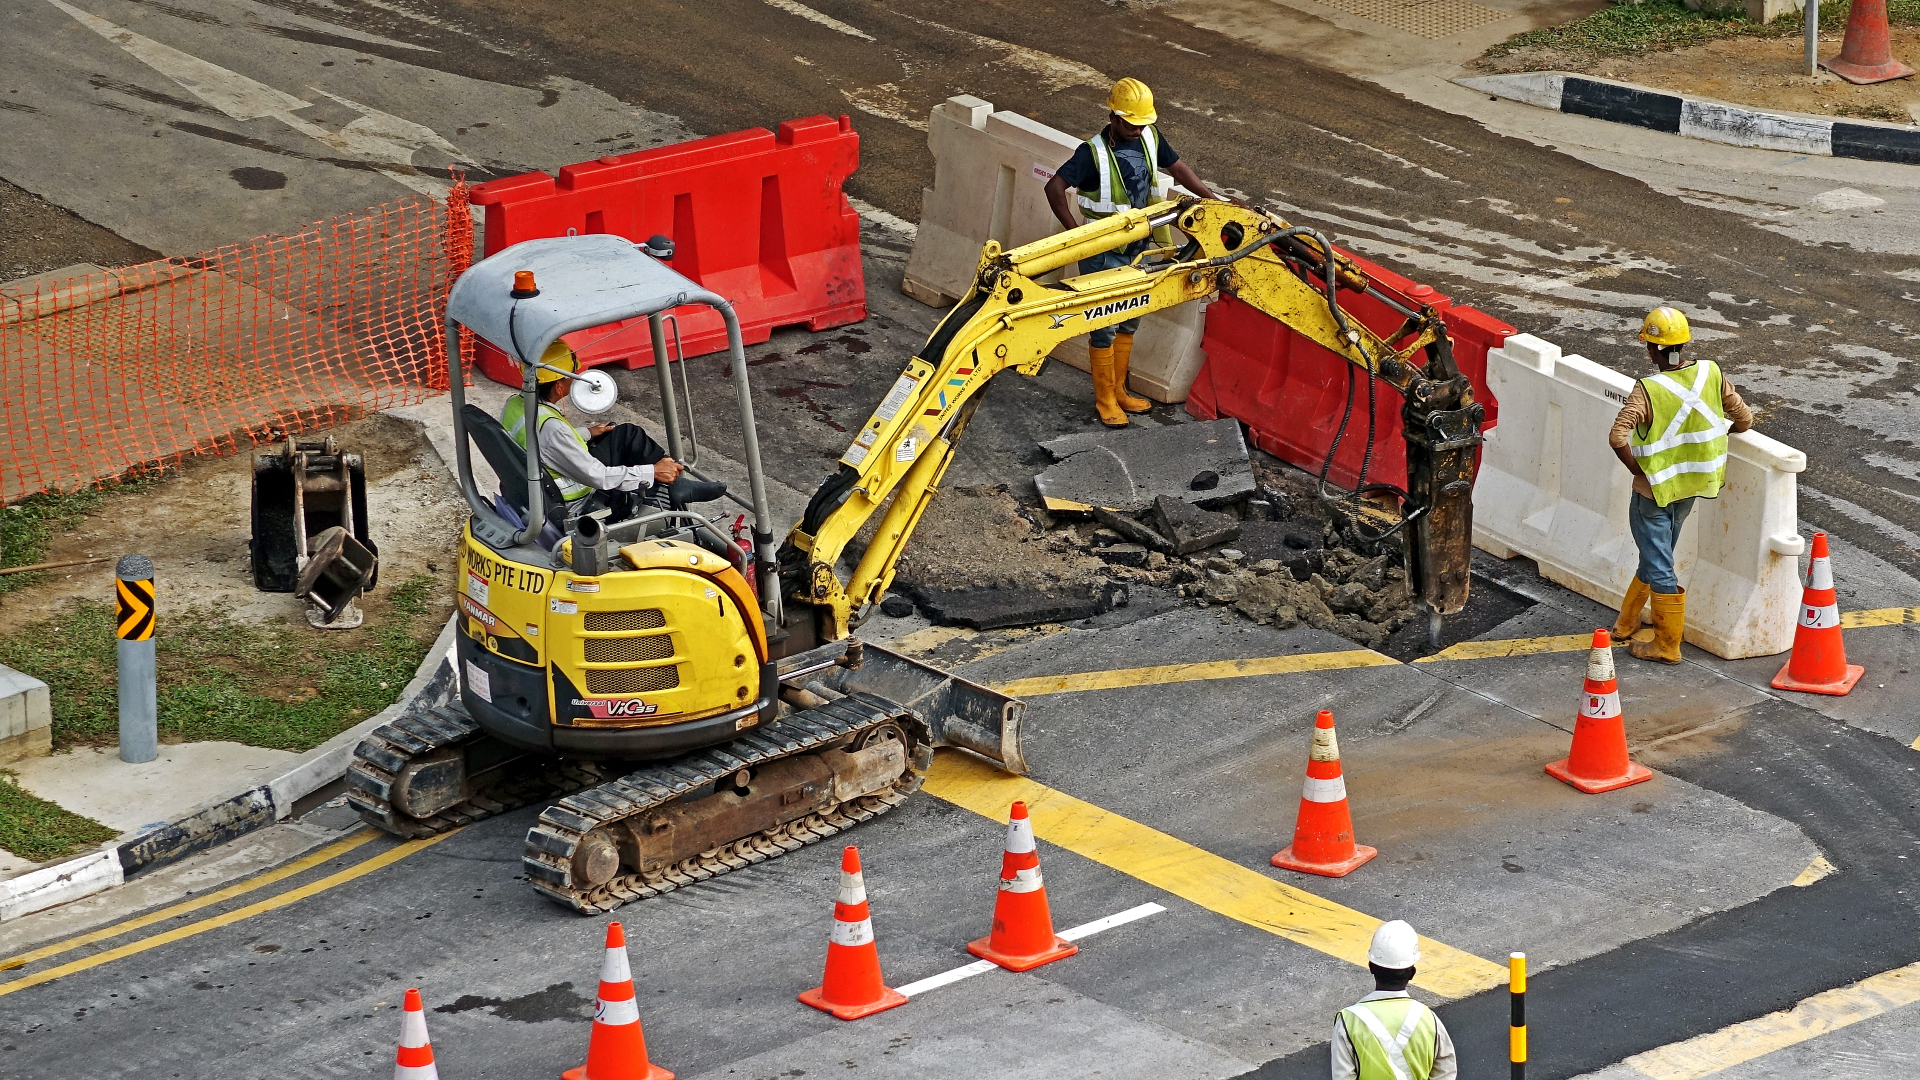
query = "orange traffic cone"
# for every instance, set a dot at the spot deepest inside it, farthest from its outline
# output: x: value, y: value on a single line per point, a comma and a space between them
x: 851, y: 987
x: 616, y: 1048
x: 1323, y: 831
x: 1818, y: 663
x: 415, y: 1060
x: 1022, y: 937
x: 1598, y: 761
x: 1866, y: 56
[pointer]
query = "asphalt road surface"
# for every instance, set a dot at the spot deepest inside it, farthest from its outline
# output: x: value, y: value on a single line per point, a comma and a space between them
x: 1660, y: 913
x: 321, y: 108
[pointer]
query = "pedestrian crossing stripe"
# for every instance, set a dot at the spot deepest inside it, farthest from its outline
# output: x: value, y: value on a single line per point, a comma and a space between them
x: 135, y: 619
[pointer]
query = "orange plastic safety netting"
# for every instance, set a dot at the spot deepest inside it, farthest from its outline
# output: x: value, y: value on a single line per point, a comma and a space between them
x: 138, y: 367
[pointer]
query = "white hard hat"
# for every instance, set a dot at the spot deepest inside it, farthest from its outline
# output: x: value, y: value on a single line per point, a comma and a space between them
x: 1395, y: 945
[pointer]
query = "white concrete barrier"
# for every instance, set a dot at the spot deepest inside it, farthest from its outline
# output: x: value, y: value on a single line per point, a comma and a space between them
x: 990, y: 173
x: 1551, y: 489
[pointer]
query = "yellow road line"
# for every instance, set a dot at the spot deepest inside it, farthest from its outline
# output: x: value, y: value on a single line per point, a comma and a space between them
x: 1196, y: 875
x: 308, y: 862
x: 1531, y: 646
x: 1886, y: 616
x: 1704, y: 1055
x: 313, y: 888
x: 1042, y: 685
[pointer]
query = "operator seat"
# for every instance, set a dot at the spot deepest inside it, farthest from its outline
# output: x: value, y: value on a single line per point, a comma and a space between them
x: 509, y: 463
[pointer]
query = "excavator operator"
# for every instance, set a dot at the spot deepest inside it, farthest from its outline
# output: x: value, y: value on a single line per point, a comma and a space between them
x: 1117, y: 170
x: 617, y: 466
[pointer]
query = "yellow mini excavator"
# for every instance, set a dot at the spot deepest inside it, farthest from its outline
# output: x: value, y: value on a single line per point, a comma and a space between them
x: 696, y: 702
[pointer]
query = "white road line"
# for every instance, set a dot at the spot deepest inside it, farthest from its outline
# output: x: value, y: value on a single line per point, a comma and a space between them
x: 1111, y: 921
x: 828, y: 21
x: 382, y: 139
x: 981, y: 967
x: 978, y: 967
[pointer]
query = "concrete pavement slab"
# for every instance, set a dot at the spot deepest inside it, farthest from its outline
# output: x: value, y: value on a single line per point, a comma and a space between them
x: 93, y: 781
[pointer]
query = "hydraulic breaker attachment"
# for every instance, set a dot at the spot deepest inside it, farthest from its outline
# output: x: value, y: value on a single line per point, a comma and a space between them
x: 1442, y: 426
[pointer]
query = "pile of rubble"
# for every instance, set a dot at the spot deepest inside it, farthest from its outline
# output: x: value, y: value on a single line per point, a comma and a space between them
x: 1187, y: 509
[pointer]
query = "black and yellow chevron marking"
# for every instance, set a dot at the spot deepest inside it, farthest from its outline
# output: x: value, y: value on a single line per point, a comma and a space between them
x: 136, y: 609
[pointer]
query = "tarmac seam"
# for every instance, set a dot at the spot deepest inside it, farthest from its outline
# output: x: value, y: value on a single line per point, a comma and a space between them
x: 1829, y: 1011
x: 1196, y: 875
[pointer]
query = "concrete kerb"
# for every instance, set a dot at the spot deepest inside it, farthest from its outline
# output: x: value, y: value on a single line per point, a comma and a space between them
x: 220, y: 820
x: 1701, y: 118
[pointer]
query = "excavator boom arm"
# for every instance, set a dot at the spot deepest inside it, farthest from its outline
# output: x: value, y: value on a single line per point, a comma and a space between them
x: 1013, y: 319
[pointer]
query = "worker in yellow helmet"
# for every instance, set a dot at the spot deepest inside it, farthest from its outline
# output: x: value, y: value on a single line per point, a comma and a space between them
x: 613, y: 465
x: 1672, y: 436
x: 1115, y: 170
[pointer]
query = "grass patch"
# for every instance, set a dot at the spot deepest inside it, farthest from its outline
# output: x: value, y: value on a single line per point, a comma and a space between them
x: 1661, y: 25
x: 35, y: 829
x: 28, y: 526
x: 280, y: 686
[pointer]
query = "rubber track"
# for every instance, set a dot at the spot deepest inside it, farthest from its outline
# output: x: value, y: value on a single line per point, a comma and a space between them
x: 423, y: 730
x: 551, y: 842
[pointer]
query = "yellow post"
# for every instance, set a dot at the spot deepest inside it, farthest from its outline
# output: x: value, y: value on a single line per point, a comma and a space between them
x: 1517, y: 1024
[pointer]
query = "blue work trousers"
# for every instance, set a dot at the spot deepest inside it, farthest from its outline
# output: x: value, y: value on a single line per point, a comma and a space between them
x: 1656, y: 531
x: 1103, y: 337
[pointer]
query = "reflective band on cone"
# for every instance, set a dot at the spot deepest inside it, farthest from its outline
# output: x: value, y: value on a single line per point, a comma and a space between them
x: 1318, y: 790
x: 1600, y: 706
x: 1323, y: 829
x: 616, y: 1048
x: 415, y: 1059
x: 1818, y: 663
x: 1598, y: 760
x: 851, y: 987
x: 1022, y: 937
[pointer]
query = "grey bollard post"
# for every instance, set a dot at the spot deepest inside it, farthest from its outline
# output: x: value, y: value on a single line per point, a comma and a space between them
x: 1813, y: 37
x: 139, y: 710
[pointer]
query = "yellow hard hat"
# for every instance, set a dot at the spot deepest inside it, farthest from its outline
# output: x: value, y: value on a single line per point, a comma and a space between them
x: 1133, y: 101
x: 1665, y: 326
x: 560, y: 356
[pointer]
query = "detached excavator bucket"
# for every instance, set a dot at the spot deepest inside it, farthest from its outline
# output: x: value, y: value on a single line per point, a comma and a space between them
x: 304, y: 492
x: 961, y: 713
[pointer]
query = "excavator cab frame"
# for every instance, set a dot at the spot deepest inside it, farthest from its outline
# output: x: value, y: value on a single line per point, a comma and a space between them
x: 582, y: 282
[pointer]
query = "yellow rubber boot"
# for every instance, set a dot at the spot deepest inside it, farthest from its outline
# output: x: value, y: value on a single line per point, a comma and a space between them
x: 1103, y: 403
x: 1669, y: 623
x: 1122, y: 357
x: 1629, y: 621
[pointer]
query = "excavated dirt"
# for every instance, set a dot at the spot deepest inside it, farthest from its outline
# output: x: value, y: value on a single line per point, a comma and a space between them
x: 1766, y: 73
x: 983, y: 560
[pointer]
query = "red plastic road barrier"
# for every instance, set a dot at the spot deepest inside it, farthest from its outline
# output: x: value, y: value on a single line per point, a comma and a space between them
x: 1291, y: 392
x: 757, y: 217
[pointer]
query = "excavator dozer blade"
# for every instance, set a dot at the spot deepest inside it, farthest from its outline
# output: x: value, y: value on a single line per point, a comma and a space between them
x: 961, y: 713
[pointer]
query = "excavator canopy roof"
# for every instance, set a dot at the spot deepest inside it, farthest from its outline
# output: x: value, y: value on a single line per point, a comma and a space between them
x: 582, y: 280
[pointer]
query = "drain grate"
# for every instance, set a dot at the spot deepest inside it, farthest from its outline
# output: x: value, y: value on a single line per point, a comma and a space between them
x: 1424, y: 18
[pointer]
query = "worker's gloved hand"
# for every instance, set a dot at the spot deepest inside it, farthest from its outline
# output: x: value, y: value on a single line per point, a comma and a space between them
x: 686, y: 490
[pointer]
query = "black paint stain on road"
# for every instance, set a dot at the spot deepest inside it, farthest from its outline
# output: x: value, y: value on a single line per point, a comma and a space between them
x: 104, y: 82
x: 556, y: 1002
x: 255, y: 179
